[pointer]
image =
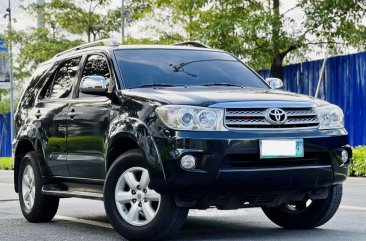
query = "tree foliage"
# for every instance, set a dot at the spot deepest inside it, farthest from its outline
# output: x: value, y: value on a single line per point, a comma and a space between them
x: 38, y: 46
x: 80, y: 17
x: 259, y: 32
x: 66, y: 24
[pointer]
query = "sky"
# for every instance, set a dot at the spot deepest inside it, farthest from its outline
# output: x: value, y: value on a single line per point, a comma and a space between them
x: 24, y: 21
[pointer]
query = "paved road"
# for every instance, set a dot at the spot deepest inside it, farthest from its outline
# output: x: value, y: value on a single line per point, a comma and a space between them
x: 79, y: 219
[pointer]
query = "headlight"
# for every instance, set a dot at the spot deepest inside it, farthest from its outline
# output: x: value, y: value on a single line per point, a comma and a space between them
x: 330, y: 117
x: 182, y: 117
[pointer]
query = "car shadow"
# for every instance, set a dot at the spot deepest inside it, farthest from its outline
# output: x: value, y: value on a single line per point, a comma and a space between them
x: 230, y: 228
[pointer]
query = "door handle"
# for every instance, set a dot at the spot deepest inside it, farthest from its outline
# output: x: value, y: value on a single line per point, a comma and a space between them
x: 72, y: 114
x: 38, y: 114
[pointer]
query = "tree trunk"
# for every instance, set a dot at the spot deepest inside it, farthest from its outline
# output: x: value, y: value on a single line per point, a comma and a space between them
x: 88, y: 33
x: 276, y: 67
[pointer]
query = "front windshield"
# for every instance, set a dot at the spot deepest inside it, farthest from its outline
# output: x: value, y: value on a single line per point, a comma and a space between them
x: 181, y: 67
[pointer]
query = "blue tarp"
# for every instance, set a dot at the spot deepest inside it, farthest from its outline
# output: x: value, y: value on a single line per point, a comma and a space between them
x: 344, y: 84
x: 5, y: 143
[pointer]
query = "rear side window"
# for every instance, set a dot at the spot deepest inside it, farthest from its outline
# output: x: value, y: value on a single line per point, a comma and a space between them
x: 34, y: 86
x: 63, y: 80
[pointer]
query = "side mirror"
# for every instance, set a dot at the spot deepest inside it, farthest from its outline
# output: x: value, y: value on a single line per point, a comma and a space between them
x: 94, y: 85
x: 274, y: 83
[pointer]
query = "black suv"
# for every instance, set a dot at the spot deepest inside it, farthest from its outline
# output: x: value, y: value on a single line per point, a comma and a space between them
x: 154, y: 131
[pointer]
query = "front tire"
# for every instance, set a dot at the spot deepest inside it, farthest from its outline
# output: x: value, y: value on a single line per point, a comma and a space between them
x: 135, y: 210
x: 306, y: 214
x: 35, y: 206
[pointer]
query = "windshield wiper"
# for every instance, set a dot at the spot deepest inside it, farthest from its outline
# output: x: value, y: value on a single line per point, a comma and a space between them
x: 156, y: 85
x: 222, y: 84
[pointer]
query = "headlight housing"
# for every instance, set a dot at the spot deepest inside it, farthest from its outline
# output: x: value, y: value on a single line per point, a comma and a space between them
x: 330, y: 117
x: 183, y: 117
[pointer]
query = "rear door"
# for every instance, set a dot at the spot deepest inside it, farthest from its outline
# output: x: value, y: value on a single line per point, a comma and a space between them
x: 88, y: 125
x: 51, y: 113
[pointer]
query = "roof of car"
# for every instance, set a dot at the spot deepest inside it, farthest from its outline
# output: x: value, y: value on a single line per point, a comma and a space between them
x: 112, y: 46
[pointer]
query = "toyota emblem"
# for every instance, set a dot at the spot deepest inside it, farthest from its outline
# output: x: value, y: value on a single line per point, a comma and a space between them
x: 276, y: 116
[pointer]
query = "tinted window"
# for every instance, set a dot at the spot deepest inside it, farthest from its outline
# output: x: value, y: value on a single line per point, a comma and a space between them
x: 95, y: 65
x: 62, y: 84
x: 33, y: 87
x: 183, y: 67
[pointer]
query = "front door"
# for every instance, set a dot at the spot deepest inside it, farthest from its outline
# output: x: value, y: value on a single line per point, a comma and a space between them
x: 88, y: 125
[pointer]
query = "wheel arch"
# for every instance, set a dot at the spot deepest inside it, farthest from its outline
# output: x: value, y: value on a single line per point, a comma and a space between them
x: 29, y: 139
x: 134, y: 134
x: 23, y: 146
x: 120, y: 144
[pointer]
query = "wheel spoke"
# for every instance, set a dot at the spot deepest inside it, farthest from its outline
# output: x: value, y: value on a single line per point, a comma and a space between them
x: 33, y: 194
x: 26, y: 195
x: 31, y: 176
x: 26, y: 180
x: 133, y: 213
x: 145, y: 179
x: 131, y: 180
x: 31, y: 200
x: 152, y: 195
x: 148, y: 211
x: 124, y: 197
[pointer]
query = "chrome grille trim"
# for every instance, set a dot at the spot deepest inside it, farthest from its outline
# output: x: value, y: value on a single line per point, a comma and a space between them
x: 254, y: 118
x: 257, y: 113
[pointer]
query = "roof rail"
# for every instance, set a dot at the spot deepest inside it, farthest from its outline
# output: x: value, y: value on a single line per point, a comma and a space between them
x: 192, y: 43
x: 102, y: 42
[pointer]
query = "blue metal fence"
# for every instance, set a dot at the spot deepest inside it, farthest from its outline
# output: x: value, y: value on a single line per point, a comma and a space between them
x: 344, y: 84
x: 5, y: 143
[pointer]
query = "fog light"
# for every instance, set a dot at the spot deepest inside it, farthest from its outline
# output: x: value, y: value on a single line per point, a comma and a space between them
x: 188, y: 162
x: 344, y: 156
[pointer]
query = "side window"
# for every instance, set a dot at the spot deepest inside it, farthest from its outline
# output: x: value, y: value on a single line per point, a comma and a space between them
x: 62, y: 84
x: 34, y: 86
x: 95, y: 65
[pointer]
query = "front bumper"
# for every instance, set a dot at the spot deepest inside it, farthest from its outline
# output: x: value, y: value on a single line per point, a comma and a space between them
x: 229, y: 164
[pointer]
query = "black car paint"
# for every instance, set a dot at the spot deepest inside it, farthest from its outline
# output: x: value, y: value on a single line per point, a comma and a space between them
x: 129, y: 115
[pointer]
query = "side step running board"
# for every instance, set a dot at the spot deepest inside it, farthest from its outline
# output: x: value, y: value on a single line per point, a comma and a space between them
x: 53, y: 190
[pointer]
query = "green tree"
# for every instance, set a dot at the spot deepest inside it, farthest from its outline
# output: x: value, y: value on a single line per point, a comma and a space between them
x: 35, y: 47
x: 79, y: 17
x: 63, y: 19
x: 263, y: 35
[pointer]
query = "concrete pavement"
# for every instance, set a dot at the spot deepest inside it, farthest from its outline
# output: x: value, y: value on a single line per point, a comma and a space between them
x: 79, y: 219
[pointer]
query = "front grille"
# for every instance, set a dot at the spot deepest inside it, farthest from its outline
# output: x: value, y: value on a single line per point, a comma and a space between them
x: 254, y: 118
x: 311, y: 158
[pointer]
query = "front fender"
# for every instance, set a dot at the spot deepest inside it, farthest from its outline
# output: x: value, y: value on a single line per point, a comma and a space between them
x: 138, y: 131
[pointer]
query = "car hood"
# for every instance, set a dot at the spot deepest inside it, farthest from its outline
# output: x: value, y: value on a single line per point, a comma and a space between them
x: 206, y: 96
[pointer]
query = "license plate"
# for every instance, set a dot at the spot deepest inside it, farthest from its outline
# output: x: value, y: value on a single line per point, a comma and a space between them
x: 281, y: 148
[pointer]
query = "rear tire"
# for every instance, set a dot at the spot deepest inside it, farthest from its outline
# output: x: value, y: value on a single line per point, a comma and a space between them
x: 299, y: 215
x: 35, y: 206
x: 140, y: 213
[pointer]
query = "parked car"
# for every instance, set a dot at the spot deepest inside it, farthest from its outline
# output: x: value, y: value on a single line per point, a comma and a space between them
x: 154, y: 131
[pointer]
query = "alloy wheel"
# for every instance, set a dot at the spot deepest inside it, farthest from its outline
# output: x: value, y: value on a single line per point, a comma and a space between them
x: 135, y: 201
x: 28, y: 187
